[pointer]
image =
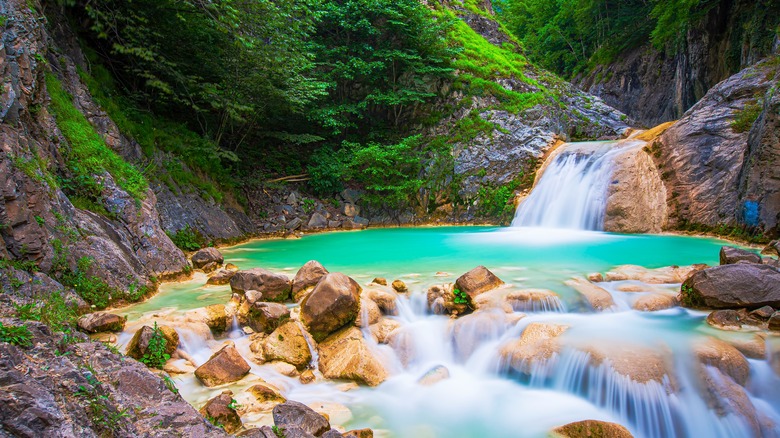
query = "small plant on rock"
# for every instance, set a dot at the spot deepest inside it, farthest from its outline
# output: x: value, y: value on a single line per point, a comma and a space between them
x: 460, y: 296
x: 16, y: 335
x: 156, y: 356
x: 278, y: 432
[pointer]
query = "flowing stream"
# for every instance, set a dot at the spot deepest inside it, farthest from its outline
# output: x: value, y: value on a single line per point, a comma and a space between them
x: 483, y: 395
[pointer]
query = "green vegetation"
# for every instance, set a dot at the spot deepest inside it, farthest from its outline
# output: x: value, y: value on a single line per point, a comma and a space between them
x: 155, y: 356
x: 16, y: 335
x: 460, y: 296
x: 170, y: 384
x: 188, y: 239
x: 689, y: 298
x: 278, y: 432
x: 91, y: 288
x: 744, y: 118
x: 88, y: 156
x: 104, y: 416
x: 57, y: 313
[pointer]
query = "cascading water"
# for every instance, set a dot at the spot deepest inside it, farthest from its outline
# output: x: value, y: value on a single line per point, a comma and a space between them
x: 572, y: 191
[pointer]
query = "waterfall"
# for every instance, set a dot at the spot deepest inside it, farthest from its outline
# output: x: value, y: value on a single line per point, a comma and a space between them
x: 572, y: 191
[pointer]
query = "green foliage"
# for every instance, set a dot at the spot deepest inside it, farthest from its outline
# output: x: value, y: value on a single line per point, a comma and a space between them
x: 461, y: 297
x: 103, y: 415
x: 16, y: 335
x: 307, y: 205
x: 673, y: 17
x: 155, y: 356
x: 495, y: 201
x: 689, y: 298
x: 327, y: 172
x: 27, y: 312
x: 91, y: 288
x: 56, y: 312
x: 188, y: 239
x: 88, y: 155
x: 744, y: 118
x: 170, y: 384
x: 278, y: 432
x: 22, y: 265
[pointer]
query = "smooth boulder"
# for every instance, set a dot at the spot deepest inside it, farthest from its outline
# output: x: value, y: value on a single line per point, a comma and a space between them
x: 730, y: 255
x: 307, y: 277
x: 273, y: 287
x: 477, y: 281
x: 102, y: 322
x: 537, y: 344
x: 591, y: 429
x: 224, y: 366
x: 346, y: 355
x: 732, y: 286
x: 138, y: 346
x: 292, y: 414
x: 332, y: 304
x: 207, y: 256
x: 288, y: 344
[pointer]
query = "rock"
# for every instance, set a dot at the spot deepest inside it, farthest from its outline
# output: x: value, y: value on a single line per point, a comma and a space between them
x: 263, y: 392
x: 262, y: 432
x: 214, y: 316
x: 730, y: 255
x: 726, y: 319
x: 727, y: 397
x: 733, y: 286
x: 219, y: 409
x: 287, y: 344
x: 774, y: 321
x: 139, y: 344
x: 654, y: 302
x: 306, y: 278
x: 102, y: 322
x: 205, y: 256
x: 763, y: 313
x: 400, y: 287
x: 753, y: 347
x: 345, y: 355
x: 385, y: 299
x: 273, y: 287
x: 369, y: 312
x: 231, y: 267
x: 638, y: 363
x: 363, y: 222
x: 598, y: 298
x: 350, y: 210
x: 334, y: 224
x: 352, y: 224
x: 591, y: 429
x: 434, y: 375
x: 210, y: 267
x: 294, y: 224
x: 667, y: 275
x: 726, y: 358
x: 221, y: 277
x: 384, y: 329
x: 332, y: 304
x: 537, y: 343
x: 292, y: 414
x: 380, y: 281
x: 317, y: 221
x: 307, y: 377
x: 224, y: 366
x: 636, y: 196
x: 596, y: 277
x: 266, y: 317
x: 441, y: 300
x: 359, y: 433
x: 293, y: 198
x: 477, y: 281
x: 772, y: 248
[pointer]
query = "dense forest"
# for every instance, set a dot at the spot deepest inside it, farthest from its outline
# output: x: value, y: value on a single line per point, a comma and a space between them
x: 571, y: 36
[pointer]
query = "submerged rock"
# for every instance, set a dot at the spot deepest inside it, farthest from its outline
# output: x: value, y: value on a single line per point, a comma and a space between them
x: 384, y: 329
x: 591, y: 429
x: 206, y: 256
x: 292, y: 414
x: 434, y: 375
x: 307, y: 277
x: 730, y: 255
x: 345, y: 355
x: 272, y: 287
x: 477, y: 281
x: 287, y: 344
x: 638, y: 363
x: 224, y: 366
x: 667, y: 275
x: 220, y: 409
x: 138, y: 346
x: 726, y: 358
x: 655, y: 301
x: 733, y: 286
x: 332, y: 304
x: 598, y: 297
x: 102, y: 322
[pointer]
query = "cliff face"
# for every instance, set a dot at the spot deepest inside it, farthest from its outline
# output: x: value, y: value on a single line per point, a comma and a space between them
x: 718, y: 161
x: 654, y: 87
x: 39, y: 223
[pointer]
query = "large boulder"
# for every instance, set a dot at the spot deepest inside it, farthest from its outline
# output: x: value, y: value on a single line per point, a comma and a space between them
x: 591, y: 429
x: 292, y: 414
x: 138, y: 346
x: 537, y: 344
x: 224, y: 366
x: 726, y: 358
x: 102, y: 322
x: 477, y: 281
x: 345, y: 355
x: 221, y: 277
x: 332, y: 304
x: 221, y: 410
x: 288, y: 344
x: 730, y: 255
x: 306, y: 278
x: 732, y: 286
x: 266, y: 317
x: 214, y: 316
x: 207, y: 256
x: 273, y: 287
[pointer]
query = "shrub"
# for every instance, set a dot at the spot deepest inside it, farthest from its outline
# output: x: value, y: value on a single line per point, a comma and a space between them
x: 16, y: 335
x: 188, y: 239
x: 155, y: 356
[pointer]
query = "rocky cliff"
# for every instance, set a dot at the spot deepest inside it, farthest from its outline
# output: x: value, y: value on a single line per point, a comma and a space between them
x: 655, y: 86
